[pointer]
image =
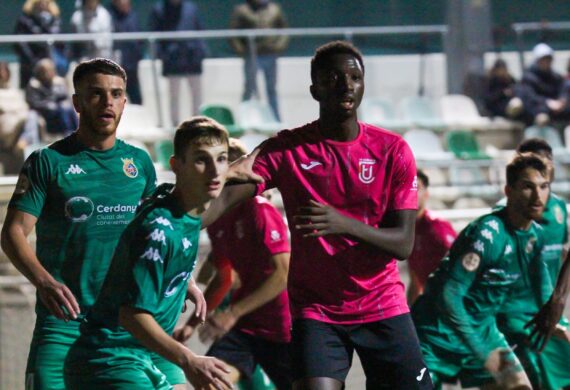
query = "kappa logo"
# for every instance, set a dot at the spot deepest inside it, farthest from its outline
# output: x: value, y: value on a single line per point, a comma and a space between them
x: 186, y: 243
x: 162, y: 221
x: 366, y: 170
x: 311, y: 165
x: 74, y: 169
x: 157, y: 235
x: 275, y: 236
x: 421, y: 376
x: 152, y: 254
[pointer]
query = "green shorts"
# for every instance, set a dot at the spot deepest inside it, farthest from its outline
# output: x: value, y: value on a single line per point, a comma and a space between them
x: 51, y: 341
x: 174, y: 374
x: 90, y: 368
x: 549, y: 370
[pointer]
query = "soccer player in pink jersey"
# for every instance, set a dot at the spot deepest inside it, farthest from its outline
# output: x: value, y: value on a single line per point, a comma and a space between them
x: 433, y: 239
x: 256, y: 328
x: 350, y: 194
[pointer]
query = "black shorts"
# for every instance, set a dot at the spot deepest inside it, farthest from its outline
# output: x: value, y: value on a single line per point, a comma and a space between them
x: 388, y: 349
x: 244, y: 351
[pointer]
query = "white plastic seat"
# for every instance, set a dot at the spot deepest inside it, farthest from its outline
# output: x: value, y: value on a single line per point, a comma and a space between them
x: 421, y: 111
x: 381, y: 112
x: 460, y: 111
x: 257, y: 116
x: 426, y: 145
x: 137, y: 124
x: 547, y: 133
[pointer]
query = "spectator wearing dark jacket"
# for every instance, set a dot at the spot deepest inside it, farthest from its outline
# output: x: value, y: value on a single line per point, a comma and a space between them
x: 181, y: 59
x: 38, y: 17
x: 541, y: 88
x: 127, y: 53
x: 500, y: 89
x: 47, y: 94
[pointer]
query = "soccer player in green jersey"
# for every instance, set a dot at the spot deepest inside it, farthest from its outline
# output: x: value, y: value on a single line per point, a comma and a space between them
x: 145, y: 288
x: 550, y: 369
x: 456, y: 317
x: 79, y: 194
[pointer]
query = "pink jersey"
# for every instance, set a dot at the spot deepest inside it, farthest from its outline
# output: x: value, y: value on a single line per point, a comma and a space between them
x: 434, y: 237
x: 247, y: 237
x: 335, y: 278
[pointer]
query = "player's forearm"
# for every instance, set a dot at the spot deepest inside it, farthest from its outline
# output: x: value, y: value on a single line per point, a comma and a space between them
x: 266, y: 292
x: 453, y: 294
x: 146, y: 330
x: 398, y: 241
x: 19, y: 251
x: 562, y: 288
x: 214, y: 294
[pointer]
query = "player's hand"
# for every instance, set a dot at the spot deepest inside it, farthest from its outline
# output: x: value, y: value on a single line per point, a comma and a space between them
x: 203, y: 372
x: 183, y: 333
x: 319, y: 220
x: 543, y: 324
x: 218, y: 325
x: 195, y: 295
x: 58, y: 299
x: 241, y: 170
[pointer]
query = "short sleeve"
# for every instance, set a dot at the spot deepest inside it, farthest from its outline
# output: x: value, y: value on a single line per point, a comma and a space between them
x: 404, y: 186
x: 267, y: 164
x: 479, y: 243
x: 270, y: 225
x: 148, y: 266
x: 31, y: 189
x: 150, y: 172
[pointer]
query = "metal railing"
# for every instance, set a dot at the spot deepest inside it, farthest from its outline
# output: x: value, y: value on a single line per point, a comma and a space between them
x: 521, y: 28
x: 250, y: 34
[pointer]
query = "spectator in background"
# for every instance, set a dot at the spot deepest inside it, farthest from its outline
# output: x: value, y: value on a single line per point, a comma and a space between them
x: 541, y: 88
x: 17, y: 127
x: 500, y: 89
x: 38, y: 17
x: 434, y: 237
x: 127, y: 53
x: 260, y: 14
x: 47, y: 94
x: 181, y: 60
x: 92, y: 17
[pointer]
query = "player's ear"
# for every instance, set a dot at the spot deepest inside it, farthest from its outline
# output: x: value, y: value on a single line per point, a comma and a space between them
x: 314, y: 92
x: 507, y: 190
x: 75, y: 100
x: 174, y: 164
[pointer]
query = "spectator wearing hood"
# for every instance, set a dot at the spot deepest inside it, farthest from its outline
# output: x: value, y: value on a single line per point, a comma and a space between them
x: 541, y: 88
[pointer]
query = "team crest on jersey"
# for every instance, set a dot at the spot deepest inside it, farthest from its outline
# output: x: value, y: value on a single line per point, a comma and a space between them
x: 366, y: 170
x: 558, y: 214
x: 130, y: 168
x: 470, y: 261
x: 530, y: 245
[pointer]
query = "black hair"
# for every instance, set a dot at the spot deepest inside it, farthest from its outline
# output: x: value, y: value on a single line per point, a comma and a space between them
x: 523, y: 161
x: 535, y: 145
x: 97, y: 65
x: 423, y: 178
x: 324, y: 52
x: 198, y: 130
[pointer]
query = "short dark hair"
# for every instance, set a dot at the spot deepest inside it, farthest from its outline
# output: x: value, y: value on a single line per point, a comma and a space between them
x: 423, y: 178
x: 198, y: 130
x: 535, y: 145
x: 97, y: 65
x: 522, y: 161
x: 236, y: 149
x: 324, y: 52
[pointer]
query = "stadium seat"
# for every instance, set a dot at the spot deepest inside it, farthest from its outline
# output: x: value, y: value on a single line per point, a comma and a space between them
x: 163, y: 150
x: 460, y: 111
x: 137, y: 123
x: 426, y: 145
x: 464, y: 145
x: 257, y: 116
x: 381, y: 112
x: 547, y: 133
x: 421, y: 112
x: 223, y: 114
x: 472, y: 182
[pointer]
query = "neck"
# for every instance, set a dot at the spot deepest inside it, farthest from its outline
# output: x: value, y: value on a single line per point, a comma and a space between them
x: 338, y: 129
x: 189, y: 205
x: 517, y: 220
x: 95, y: 141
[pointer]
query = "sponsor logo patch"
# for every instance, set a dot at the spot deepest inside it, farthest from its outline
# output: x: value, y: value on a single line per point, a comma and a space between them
x: 79, y: 208
x: 470, y: 261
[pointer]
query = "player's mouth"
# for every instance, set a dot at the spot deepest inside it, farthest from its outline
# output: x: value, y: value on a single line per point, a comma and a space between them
x: 347, y: 103
x: 214, y: 185
x: 107, y: 116
x: 537, y: 208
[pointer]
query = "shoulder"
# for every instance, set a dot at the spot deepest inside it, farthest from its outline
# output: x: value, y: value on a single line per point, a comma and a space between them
x: 386, y: 139
x: 126, y: 147
x: 291, y: 138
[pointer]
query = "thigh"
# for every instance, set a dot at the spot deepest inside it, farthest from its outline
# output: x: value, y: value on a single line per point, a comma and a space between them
x: 236, y: 349
x: 48, y: 350
x: 275, y: 359
x: 319, y: 350
x: 390, y: 354
x: 174, y: 374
